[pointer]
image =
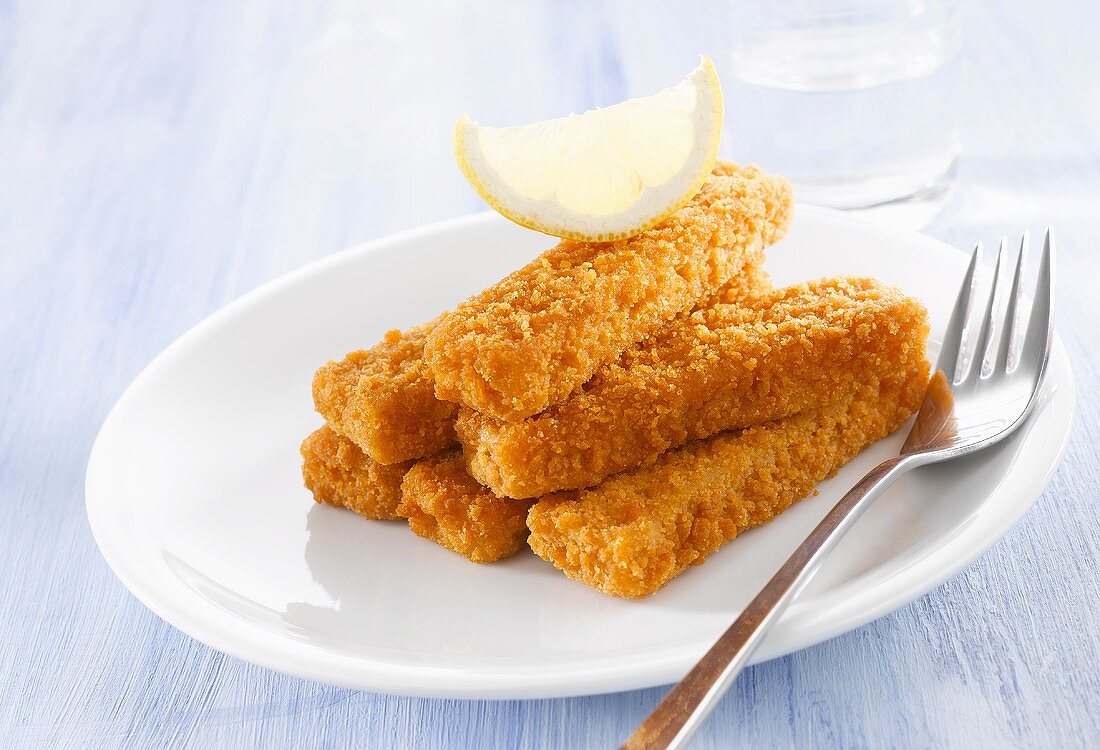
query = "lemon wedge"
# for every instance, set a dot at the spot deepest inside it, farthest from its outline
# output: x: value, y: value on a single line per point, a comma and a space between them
x: 603, y: 175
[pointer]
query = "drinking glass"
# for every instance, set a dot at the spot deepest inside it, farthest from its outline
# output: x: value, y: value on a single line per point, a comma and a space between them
x: 852, y: 100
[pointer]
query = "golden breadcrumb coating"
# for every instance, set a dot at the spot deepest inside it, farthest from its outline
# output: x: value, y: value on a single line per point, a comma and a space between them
x: 445, y: 505
x: 529, y: 340
x: 384, y: 397
x: 721, y: 368
x: 384, y: 400
x: 631, y: 535
x: 338, y: 473
x: 742, y: 289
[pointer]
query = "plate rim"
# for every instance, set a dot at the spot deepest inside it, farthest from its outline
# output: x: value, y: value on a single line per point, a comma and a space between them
x: 455, y: 682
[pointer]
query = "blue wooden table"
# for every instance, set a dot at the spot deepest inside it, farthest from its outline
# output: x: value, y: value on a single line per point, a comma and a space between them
x: 159, y: 159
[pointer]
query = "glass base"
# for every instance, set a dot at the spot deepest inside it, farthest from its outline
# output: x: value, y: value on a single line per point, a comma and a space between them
x: 910, y: 199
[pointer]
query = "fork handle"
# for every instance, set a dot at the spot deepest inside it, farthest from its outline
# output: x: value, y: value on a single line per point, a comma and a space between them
x: 672, y: 723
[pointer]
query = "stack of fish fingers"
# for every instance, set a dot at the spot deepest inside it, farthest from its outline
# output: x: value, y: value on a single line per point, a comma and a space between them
x: 623, y: 409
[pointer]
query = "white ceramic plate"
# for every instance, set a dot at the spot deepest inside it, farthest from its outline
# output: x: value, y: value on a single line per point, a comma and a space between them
x: 195, y: 499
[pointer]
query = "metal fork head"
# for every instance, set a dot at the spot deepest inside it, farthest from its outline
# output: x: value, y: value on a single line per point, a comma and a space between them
x: 979, y: 397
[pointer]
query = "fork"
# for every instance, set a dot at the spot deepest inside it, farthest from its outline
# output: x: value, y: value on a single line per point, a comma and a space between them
x: 986, y: 397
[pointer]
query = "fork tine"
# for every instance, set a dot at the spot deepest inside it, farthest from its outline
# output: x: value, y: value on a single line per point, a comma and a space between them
x: 982, y: 351
x: 954, y: 339
x: 1007, y: 354
x: 1040, y: 327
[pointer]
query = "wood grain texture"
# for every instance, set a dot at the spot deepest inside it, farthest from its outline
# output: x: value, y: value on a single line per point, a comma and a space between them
x: 157, y: 160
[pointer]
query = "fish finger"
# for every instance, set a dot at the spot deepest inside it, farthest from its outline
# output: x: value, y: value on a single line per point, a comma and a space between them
x: 383, y: 399
x: 338, y: 473
x: 445, y: 505
x: 632, y: 534
x: 721, y: 368
x: 528, y: 341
